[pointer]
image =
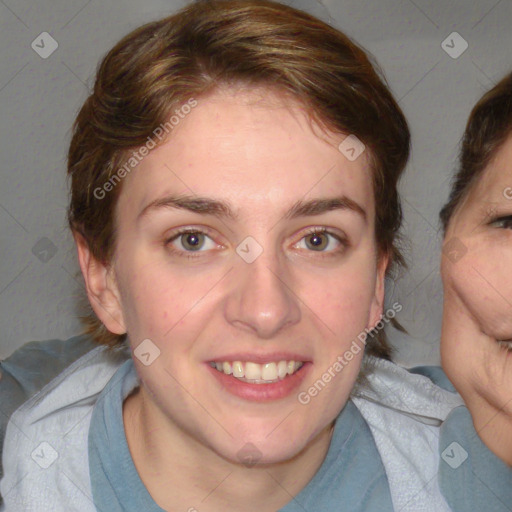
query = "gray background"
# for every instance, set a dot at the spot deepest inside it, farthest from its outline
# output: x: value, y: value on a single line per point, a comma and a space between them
x: 39, y: 99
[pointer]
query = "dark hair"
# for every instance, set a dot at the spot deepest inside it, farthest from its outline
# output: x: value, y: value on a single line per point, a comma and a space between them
x: 488, y: 127
x: 210, y: 44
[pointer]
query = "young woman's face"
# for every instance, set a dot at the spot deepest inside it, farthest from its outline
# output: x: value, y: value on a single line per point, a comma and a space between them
x: 477, y: 277
x: 252, y: 290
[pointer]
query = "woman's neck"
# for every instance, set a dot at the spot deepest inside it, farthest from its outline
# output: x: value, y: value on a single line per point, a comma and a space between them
x: 180, y: 473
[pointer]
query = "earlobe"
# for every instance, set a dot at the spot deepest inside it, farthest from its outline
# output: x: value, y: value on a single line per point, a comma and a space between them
x: 101, y: 288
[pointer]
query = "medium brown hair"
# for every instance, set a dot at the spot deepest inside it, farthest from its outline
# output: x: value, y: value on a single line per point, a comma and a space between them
x: 211, y: 44
x: 489, y: 125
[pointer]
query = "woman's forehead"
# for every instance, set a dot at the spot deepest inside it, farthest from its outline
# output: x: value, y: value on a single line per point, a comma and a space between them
x: 236, y: 149
x: 496, y: 176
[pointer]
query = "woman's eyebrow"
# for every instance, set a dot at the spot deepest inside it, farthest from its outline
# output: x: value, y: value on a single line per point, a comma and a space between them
x: 222, y: 209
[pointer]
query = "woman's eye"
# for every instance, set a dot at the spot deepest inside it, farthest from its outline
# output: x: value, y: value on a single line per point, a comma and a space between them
x: 190, y: 241
x: 321, y: 240
x: 502, y: 222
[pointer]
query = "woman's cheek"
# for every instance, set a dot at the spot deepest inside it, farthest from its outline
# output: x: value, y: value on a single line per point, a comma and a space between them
x: 487, y: 294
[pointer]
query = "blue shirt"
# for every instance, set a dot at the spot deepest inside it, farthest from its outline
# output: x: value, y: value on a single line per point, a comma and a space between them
x: 471, y: 477
x: 351, y: 478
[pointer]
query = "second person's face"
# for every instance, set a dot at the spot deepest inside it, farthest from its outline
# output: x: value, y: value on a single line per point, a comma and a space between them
x: 477, y: 276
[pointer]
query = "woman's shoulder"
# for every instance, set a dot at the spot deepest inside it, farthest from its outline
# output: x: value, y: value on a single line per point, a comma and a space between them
x: 422, y: 392
x: 436, y: 375
x: 46, y: 387
x: 35, y: 363
x: 470, y: 475
x: 405, y: 411
x: 65, y: 375
x: 32, y: 367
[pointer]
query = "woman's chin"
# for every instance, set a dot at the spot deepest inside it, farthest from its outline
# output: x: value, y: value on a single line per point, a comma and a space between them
x: 493, y: 381
x: 266, y: 447
x: 259, y: 454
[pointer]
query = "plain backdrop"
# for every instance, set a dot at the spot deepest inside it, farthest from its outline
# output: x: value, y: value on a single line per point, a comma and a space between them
x: 435, y: 78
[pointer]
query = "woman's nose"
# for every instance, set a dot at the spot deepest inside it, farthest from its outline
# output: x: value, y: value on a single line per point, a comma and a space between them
x: 262, y: 297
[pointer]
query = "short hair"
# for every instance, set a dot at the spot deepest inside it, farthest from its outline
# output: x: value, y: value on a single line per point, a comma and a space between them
x: 488, y: 127
x: 211, y: 44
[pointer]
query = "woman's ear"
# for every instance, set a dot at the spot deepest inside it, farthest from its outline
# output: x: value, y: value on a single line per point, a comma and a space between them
x: 101, y: 287
x: 378, y: 298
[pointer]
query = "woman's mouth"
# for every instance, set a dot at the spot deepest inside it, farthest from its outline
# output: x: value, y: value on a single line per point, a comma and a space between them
x: 255, y: 373
x: 260, y: 382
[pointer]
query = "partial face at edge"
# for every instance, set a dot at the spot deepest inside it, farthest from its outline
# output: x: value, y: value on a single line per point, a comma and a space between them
x: 478, y: 287
x: 305, y: 297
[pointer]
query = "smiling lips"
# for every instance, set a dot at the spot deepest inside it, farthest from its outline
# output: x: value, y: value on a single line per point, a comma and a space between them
x: 255, y: 373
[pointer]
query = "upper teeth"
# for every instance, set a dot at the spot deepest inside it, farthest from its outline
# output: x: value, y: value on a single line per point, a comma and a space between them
x: 258, y: 372
x: 506, y: 344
